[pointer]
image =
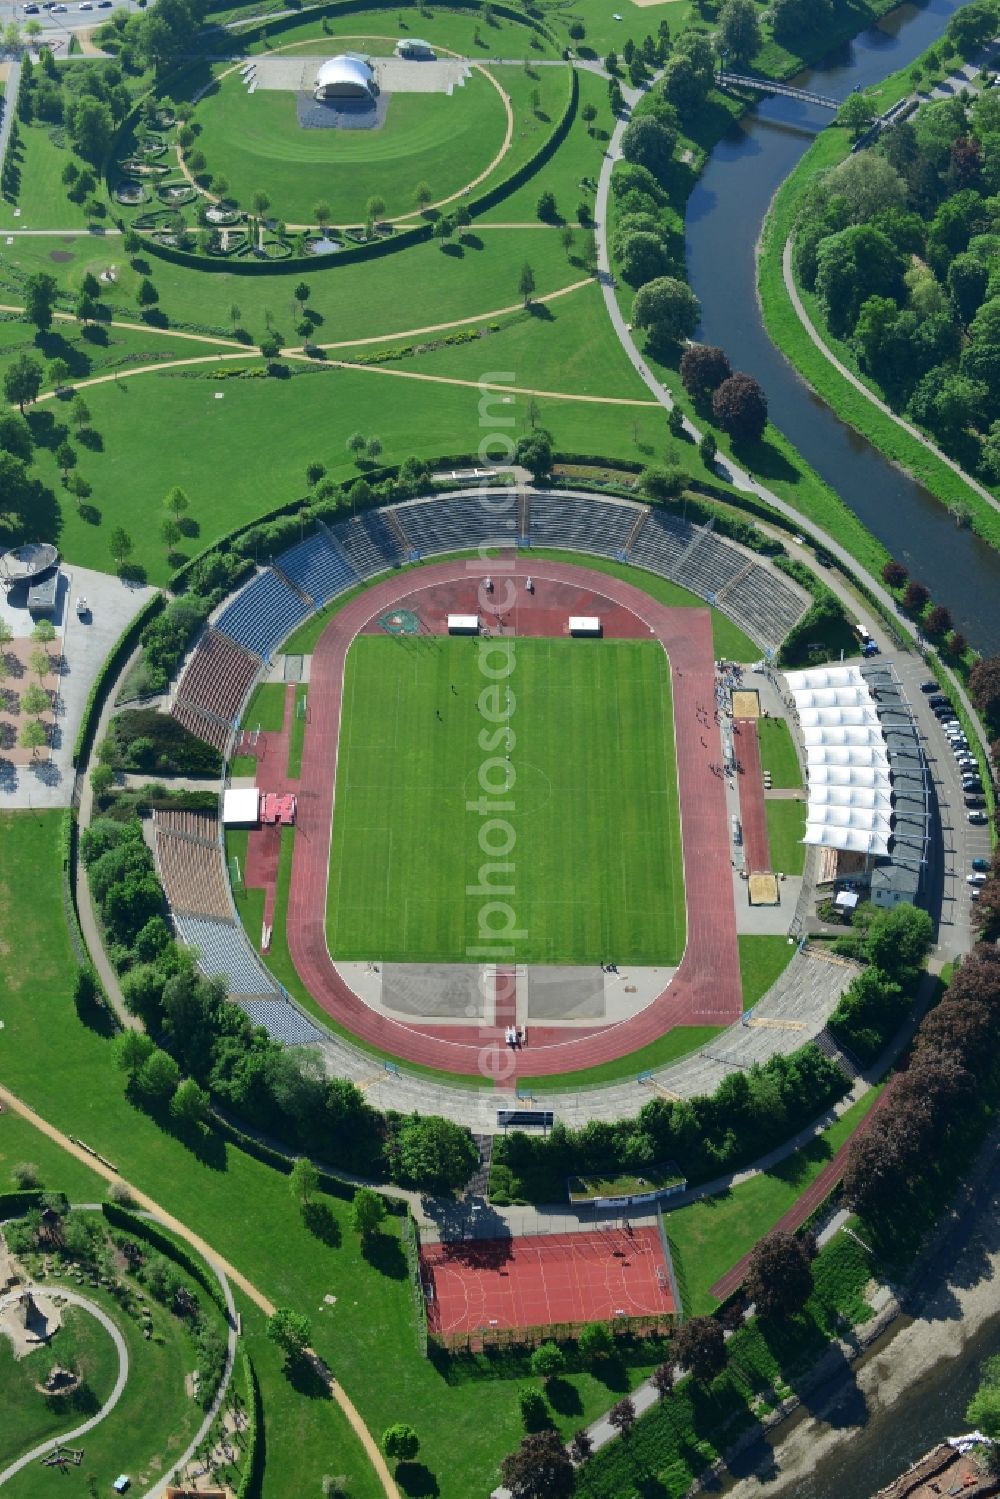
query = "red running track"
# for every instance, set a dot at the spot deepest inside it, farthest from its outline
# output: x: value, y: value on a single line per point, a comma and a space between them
x: 554, y: 1278
x: 753, y: 813
x: 706, y: 989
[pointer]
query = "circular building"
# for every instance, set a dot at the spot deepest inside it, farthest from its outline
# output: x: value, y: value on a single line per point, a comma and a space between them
x: 347, y: 76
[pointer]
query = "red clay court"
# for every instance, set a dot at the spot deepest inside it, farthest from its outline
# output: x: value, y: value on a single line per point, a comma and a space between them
x: 551, y: 1278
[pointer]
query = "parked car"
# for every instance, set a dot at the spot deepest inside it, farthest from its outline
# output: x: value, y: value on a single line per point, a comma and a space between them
x: 937, y: 699
x: 982, y: 864
x: 975, y: 879
x: 929, y: 686
x: 974, y: 894
x: 977, y: 818
x: 31, y: 10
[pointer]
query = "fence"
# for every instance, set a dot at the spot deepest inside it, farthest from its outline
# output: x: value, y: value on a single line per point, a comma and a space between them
x: 411, y: 1248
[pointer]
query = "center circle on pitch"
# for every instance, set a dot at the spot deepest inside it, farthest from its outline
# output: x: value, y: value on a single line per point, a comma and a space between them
x: 531, y: 791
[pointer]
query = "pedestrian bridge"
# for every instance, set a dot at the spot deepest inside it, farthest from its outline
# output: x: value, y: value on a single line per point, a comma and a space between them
x: 726, y: 79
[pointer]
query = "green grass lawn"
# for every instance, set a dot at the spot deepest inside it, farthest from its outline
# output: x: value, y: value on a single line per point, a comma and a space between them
x: 762, y: 962
x: 41, y: 194
x: 786, y: 824
x: 708, y: 1237
x: 777, y: 753
x: 266, y: 708
x: 256, y: 141
x: 595, y: 792
x: 81, y: 1344
x: 298, y: 734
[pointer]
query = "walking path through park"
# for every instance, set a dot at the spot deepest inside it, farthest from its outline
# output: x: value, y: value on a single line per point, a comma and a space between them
x: 860, y: 386
x: 176, y: 1226
x: 67, y: 1438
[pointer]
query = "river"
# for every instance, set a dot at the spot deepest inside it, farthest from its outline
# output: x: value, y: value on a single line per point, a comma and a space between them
x: 724, y: 216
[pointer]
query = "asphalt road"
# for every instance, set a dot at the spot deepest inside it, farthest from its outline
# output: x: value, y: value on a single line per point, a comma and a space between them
x: 54, y: 26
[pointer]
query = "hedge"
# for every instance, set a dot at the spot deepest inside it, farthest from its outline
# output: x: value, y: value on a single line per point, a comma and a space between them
x: 251, y: 1483
x: 108, y: 674
x: 16, y: 1204
x: 156, y: 1238
x: 377, y: 248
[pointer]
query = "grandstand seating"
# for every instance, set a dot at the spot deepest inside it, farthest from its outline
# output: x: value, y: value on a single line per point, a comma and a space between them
x: 709, y: 563
x: 190, y: 866
x: 581, y: 523
x: 455, y: 523
x: 261, y: 614
x: 214, y: 731
x: 763, y: 604
x: 282, y: 1021
x: 661, y: 543
x: 224, y: 953
x: 368, y: 545
x: 317, y: 567
x: 218, y: 676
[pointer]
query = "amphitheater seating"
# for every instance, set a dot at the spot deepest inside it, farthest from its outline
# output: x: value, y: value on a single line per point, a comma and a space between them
x: 261, y: 614
x: 368, y: 545
x: 453, y: 524
x: 580, y: 523
x: 224, y: 953
x: 191, y: 869
x: 317, y: 567
x: 218, y: 676
x: 661, y: 543
x: 202, y: 827
x: 709, y: 564
x: 764, y: 604
x: 214, y: 731
x: 282, y: 1021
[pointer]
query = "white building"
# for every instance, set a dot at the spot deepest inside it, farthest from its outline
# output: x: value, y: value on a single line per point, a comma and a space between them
x: 347, y: 76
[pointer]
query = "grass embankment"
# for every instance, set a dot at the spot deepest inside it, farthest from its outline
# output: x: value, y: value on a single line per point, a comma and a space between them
x: 762, y: 962
x: 594, y: 737
x: 786, y: 826
x: 777, y: 754
x: 300, y: 714
x: 786, y: 329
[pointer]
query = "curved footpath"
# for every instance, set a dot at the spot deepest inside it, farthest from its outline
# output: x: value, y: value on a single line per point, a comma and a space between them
x: 176, y: 1226
x: 100, y: 1315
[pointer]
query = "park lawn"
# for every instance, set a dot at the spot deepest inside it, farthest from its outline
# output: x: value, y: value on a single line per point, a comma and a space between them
x: 141, y: 1436
x: 57, y: 1171
x: 378, y: 31
x: 256, y: 141
x: 709, y: 1236
x: 41, y: 193
x: 786, y: 825
x: 762, y: 962
x: 97, y: 351
x: 266, y: 708
x: 595, y: 790
x: 297, y: 737
x: 81, y: 1344
x: 576, y: 157
x: 777, y: 753
x: 569, y: 345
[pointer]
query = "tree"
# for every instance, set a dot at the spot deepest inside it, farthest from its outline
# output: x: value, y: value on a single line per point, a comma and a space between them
x: 120, y: 545
x: 40, y: 662
x: 739, y: 407
x: 915, y: 596
x: 588, y: 114
x: 86, y: 308
x: 622, y: 1416
x: 539, y: 1469
x: 33, y: 736
x: 176, y: 501
x: 595, y: 1342
x: 938, y: 620
x: 899, y: 940
x: 44, y: 632
x: 58, y: 374
x: 707, y: 449
x: 260, y: 203
x: 546, y: 208
x: 649, y: 143
x: 662, y: 1379
x: 322, y: 213
x: 955, y: 644
x: 703, y: 368
x: 291, y: 1331
x: 270, y: 346
x: 857, y: 113
x: 158, y: 1076
x: 779, y: 1275
x: 983, y: 1410
x: 526, y: 283
x: 534, y: 452
x: 66, y: 458
x: 701, y: 1347
x: 190, y: 1104
x: 147, y: 295
x: 581, y: 1447
x: 668, y: 309
x: 15, y: 436
x: 444, y: 228
x: 302, y: 291
x: 35, y: 700
x: 422, y: 194
x: 894, y: 573
x: 547, y: 1361
x: 22, y: 381
x: 642, y: 257
x: 79, y: 413
x: 170, y: 534
x: 435, y: 1153
x: 967, y: 278
x: 739, y: 29
x: 400, y: 1442
x: 374, y: 210
x: 984, y: 685
x: 314, y: 472
x: 40, y: 291
x: 367, y: 1212
x: 356, y: 443
x: 661, y: 483
x: 91, y: 128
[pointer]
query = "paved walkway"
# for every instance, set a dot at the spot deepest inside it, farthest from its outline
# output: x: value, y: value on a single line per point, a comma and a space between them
x: 69, y: 1437
x: 181, y: 1229
x: 869, y: 395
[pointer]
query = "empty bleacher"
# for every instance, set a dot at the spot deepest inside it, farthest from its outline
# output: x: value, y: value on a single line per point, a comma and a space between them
x: 580, y: 523
x: 317, y: 567
x: 189, y: 861
x: 709, y: 564
x: 261, y: 614
x: 224, y: 953
x: 218, y: 676
x: 456, y: 523
x: 282, y: 1021
x: 764, y: 604
x: 661, y: 543
x: 368, y: 545
x: 215, y: 731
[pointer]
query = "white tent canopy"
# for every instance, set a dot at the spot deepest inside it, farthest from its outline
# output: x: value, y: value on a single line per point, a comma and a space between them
x: 850, y: 788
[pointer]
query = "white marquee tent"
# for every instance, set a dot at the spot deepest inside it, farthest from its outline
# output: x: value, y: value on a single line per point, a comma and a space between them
x: 850, y: 788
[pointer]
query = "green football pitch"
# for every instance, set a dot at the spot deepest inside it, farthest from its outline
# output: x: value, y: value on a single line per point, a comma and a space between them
x: 597, y: 872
